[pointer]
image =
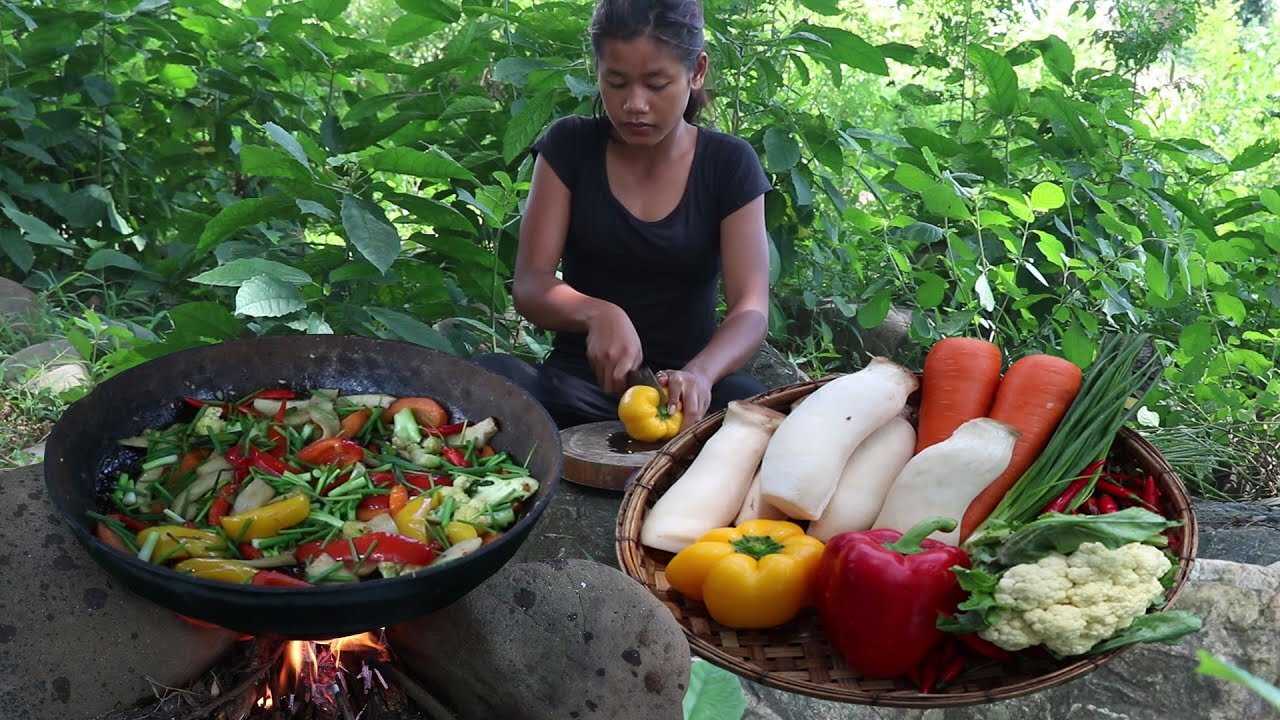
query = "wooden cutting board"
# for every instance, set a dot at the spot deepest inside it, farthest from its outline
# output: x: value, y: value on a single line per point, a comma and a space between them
x: 602, y: 455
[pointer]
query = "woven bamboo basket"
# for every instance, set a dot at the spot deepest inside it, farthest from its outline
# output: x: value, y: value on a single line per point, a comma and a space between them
x: 796, y: 657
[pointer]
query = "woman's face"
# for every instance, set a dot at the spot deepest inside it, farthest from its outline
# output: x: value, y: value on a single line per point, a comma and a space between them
x: 645, y: 88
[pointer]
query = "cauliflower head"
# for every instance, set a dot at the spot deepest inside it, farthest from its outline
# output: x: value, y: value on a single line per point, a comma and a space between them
x: 1069, y: 603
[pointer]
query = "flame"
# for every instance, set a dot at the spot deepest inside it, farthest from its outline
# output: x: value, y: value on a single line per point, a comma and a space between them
x: 302, y: 658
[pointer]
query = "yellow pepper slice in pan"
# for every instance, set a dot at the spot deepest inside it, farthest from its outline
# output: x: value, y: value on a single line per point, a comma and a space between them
x: 644, y: 416
x: 267, y: 520
x: 176, y: 542
x: 756, y: 575
x: 232, y: 571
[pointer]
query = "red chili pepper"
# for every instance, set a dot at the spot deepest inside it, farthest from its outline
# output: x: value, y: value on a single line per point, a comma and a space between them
x: 194, y: 402
x: 132, y: 523
x: 1060, y: 503
x: 331, y: 451
x: 222, y: 501
x: 1119, y: 491
x: 371, y: 547
x: 1151, y: 492
x: 455, y: 457
x: 929, y: 672
x: 952, y: 669
x: 242, y: 460
x: 985, y: 649
x: 1107, y: 504
x: 275, y: 394
x: 444, y: 430
x: 879, y: 593
x: 248, y: 551
x: 274, y: 578
x: 1090, y: 507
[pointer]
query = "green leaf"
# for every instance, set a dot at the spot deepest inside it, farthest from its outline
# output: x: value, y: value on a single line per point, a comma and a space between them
x: 804, y: 191
x: 326, y: 9
x: 432, y: 165
x: 32, y: 151
x: 913, y: 178
x: 1047, y: 196
x: 1066, y: 533
x: 1213, y: 667
x: 1157, y: 278
x: 286, y: 140
x: 1270, y: 199
x: 922, y: 138
x: 412, y: 330
x: 412, y: 28
x: 846, y: 48
x: 874, y: 311
x: 1077, y: 346
x: 438, y: 9
x: 18, y: 249
x: 781, y: 151
x: 931, y: 289
x: 1196, y: 338
x: 1190, y: 211
x: 107, y: 257
x: 942, y: 200
x: 1254, y: 155
x: 1166, y: 627
x: 239, y: 215
x: 1058, y: 58
x: 982, y: 288
x: 36, y: 230
x: 311, y: 207
x: 236, y: 272
x: 525, y: 126
x: 515, y: 70
x: 468, y: 104
x: 823, y: 7
x: 369, y: 231
x: 1053, y: 249
x: 714, y: 694
x: 922, y: 232
x: 263, y: 296
x: 1065, y: 116
x: 1002, y: 81
x: 1230, y: 307
x: 178, y: 76
x: 267, y: 162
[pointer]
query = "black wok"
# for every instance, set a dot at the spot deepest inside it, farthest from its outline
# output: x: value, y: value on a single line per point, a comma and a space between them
x: 82, y: 453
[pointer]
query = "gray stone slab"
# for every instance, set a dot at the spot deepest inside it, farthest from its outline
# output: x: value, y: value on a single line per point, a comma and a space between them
x: 50, y: 353
x: 16, y: 303
x: 73, y: 642
x: 578, y: 524
x: 1244, y: 532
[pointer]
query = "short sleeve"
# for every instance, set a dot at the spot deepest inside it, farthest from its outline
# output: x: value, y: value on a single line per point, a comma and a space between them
x: 741, y: 176
x: 561, y: 146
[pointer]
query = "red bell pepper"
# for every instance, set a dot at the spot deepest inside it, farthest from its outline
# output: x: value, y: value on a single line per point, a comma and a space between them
x: 275, y: 394
x: 242, y: 461
x: 444, y: 430
x: 455, y: 457
x: 879, y: 593
x: 332, y: 451
x: 371, y: 547
x: 417, y: 480
x: 275, y: 578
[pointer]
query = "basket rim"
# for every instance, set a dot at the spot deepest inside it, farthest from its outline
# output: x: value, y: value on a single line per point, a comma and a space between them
x: 631, y: 554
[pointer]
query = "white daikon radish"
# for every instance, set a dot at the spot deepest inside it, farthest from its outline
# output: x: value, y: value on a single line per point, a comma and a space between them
x: 808, y: 451
x: 755, y: 508
x: 866, y: 480
x: 709, y: 494
x: 945, y: 477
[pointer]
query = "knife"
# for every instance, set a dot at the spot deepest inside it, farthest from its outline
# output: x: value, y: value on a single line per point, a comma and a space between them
x: 644, y: 376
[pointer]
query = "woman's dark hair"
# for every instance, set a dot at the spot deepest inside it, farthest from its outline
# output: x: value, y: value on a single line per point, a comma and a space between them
x: 678, y: 23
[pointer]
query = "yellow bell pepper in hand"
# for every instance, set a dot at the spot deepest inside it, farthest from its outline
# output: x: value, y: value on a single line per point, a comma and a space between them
x: 644, y: 416
x: 756, y: 575
x: 266, y: 521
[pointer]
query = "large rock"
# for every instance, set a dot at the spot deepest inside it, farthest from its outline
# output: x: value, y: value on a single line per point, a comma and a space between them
x: 73, y: 642
x: 551, y: 639
x: 1243, y: 532
x: 773, y: 369
x: 1240, y: 605
x: 17, y: 305
x: 50, y: 353
x: 577, y: 525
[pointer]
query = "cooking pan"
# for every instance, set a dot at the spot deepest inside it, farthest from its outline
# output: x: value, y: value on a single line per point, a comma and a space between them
x: 82, y: 455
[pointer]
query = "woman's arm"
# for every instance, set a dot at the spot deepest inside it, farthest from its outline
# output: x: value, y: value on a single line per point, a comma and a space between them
x: 745, y: 264
x: 613, y: 347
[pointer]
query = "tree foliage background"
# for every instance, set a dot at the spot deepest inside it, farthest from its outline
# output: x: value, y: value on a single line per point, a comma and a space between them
x: 1033, y: 173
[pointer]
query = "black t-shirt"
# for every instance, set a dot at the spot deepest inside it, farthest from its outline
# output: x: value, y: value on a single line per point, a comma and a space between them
x: 664, y: 274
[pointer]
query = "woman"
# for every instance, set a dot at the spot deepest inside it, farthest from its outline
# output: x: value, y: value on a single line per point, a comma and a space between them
x: 642, y: 211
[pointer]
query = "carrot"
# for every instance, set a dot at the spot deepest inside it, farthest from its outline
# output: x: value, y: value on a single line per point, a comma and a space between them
x: 958, y: 384
x: 1033, y: 396
x: 426, y: 411
x: 354, y: 422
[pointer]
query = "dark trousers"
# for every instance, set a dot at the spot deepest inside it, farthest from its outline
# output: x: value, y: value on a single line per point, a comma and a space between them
x: 567, y: 388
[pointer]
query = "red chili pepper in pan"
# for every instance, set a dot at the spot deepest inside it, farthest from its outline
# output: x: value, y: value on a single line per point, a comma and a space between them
x: 454, y: 456
x: 444, y: 430
x: 276, y: 394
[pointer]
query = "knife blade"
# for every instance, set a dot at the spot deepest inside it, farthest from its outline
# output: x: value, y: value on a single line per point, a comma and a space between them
x: 643, y: 375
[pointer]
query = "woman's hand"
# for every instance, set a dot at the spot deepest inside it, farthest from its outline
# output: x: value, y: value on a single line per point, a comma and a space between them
x: 688, y: 391
x: 613, y: 348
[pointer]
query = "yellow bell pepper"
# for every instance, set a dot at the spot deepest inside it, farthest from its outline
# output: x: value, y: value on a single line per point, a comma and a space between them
x: 266, y: 521
x: 456, y: 532
x: 176, y: 542
x: 756, y: 575
x: 644, y: 416
x: 411, y: 520
x: 232, y: 571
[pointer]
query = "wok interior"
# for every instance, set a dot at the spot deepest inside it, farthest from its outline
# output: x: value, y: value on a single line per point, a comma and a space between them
x: 83, y: 453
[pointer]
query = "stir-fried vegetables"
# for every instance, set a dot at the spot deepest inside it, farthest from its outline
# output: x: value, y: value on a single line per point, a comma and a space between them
x: 284, y: 490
